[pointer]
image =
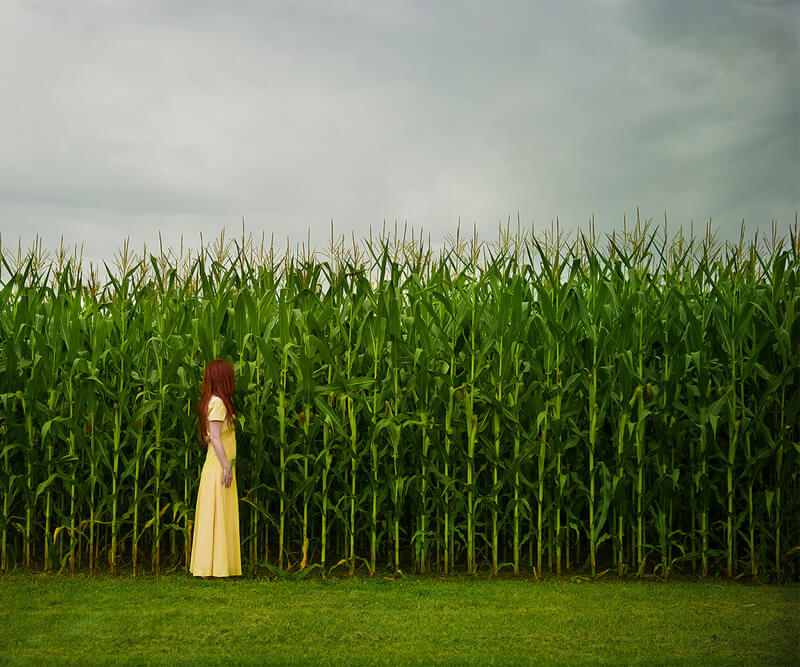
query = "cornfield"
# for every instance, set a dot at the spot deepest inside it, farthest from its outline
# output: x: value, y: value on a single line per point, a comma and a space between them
x: 554, y: 403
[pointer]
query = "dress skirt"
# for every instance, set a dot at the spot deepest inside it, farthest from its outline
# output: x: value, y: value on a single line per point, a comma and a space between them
x: 215, y: 542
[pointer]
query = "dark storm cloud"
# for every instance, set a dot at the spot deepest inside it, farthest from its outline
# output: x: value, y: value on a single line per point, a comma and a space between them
x: 727, y: 77
x: 134, y: 118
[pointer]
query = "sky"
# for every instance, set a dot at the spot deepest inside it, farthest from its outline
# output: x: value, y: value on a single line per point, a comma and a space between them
x: 182, y: 117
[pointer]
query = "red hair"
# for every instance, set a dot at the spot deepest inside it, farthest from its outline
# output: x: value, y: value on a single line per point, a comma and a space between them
x: 218, y: 380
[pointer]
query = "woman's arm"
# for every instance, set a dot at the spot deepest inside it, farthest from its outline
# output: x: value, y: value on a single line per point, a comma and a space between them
x: 215, y: 431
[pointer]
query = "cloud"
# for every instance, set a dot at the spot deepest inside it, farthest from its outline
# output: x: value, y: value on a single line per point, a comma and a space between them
x: 135, y: 118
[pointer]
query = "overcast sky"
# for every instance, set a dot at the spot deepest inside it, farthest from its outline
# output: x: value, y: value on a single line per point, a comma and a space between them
x: 129, y: 118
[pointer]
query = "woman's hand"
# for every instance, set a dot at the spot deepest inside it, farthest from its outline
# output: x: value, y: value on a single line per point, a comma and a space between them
x: 227, y: 476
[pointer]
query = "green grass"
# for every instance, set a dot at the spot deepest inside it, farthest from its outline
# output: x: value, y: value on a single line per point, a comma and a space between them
x: 178, y: 619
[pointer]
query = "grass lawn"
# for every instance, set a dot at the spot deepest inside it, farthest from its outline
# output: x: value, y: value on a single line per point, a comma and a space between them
x: 177, y: 619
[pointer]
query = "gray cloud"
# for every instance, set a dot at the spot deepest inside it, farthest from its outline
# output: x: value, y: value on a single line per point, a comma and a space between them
x: 134, y: 118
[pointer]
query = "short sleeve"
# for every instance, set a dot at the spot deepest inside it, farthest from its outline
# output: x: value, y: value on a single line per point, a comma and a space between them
x: 216, y: 409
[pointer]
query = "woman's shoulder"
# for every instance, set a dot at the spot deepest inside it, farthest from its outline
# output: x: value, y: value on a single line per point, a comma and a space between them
x: 216, y: 405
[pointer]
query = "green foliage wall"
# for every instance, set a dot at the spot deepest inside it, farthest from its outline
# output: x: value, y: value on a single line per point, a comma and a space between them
x: 535, y: 404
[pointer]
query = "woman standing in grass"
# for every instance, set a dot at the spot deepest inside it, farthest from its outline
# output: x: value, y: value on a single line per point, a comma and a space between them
x: 215, y: 545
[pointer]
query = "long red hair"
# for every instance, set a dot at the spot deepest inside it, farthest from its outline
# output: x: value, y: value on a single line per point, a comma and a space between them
x: 218, y: 380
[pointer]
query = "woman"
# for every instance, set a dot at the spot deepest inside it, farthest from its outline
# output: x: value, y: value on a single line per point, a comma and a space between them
x: 215, y: 547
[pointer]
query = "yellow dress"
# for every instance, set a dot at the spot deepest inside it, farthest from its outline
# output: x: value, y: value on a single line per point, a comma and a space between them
x: 215, y: 544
